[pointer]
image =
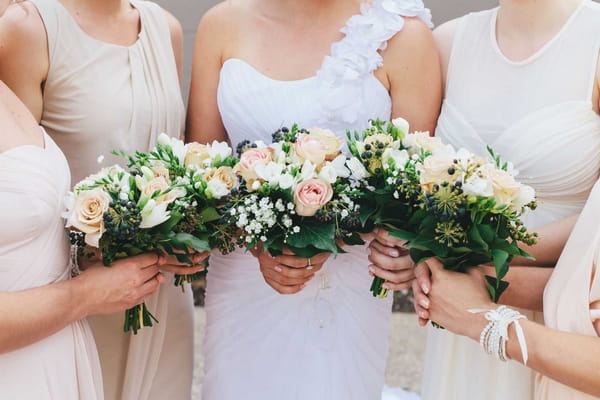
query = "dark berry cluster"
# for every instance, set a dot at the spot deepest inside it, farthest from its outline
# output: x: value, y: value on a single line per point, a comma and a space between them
x: 244, y: 145
x: 350, y: 223
x: 122, y: 220
x: 325, y: 216
x: 446, y: 202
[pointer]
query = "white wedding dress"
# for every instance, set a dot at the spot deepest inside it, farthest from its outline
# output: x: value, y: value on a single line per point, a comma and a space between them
x: 538, y: 114
x: 328, y: 342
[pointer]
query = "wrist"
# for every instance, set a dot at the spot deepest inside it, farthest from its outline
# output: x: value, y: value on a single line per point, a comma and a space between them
x: 80, y: 298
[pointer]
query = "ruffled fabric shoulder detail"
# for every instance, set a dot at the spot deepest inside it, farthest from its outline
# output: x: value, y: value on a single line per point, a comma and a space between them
x: 344, y: 73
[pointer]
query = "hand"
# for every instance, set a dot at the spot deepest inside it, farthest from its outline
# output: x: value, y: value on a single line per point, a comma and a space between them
x: 287, y: 273
x: 169, y: 263
x: 453, y: 294
x: 390, y: 261
x: 125, y: 284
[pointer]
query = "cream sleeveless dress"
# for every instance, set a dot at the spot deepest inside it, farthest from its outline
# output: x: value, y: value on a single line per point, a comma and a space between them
x: 101, y: 97
x: 329, y: 341
x: 538, y: 114
x: 573, y: 288
x: 34, y: 251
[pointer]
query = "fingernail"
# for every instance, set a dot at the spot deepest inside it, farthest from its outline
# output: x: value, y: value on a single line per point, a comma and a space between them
x: 425, y: 288
x: 369, y: 251
x: 422, y: 314
x: 302, y: 286
x: 371, y: 269
x: 394, y: 253
x: 424, y: 303
x: 386, y: 286
x: 278, y: 268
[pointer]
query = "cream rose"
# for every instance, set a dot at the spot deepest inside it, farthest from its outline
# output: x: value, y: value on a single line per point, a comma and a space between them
x: 159, y: 169
x: 506, y: 189
x: 311, y: 195
x: 311, y: 147
x: 332, y: 143
x: 422, y: 140
x: 88, y: 214
x: 223, y: 174
x: 250, y: 159
x: 435, y: 171
x: 196, y: 154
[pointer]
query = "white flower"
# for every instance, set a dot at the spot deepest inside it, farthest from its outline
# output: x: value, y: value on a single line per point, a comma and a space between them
x: 422, y: 140
x: 178, y: 147
x: 399, y: 157
x: 100, y: 159
x: 477, y: 186
x: 526, y: 195
x: 153, y: 214
x: 217, y: 188
x: 357, y: 169
x: 402, y: 125
x: 339, y: 164
x: 308, y: 171
x: 255, y: 185
x: 286, y: 181
x: 219, y: 150
x: 328, y: 173
x: 270, y: 173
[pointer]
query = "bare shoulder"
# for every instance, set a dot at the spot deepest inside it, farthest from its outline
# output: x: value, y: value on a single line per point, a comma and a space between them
x: 220, y: 27
x: 22, y: 31
x: 415, y: 39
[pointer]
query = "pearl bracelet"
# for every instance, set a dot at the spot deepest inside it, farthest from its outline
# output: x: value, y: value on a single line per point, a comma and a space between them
x: 494, y: 336
x: 74, y: 260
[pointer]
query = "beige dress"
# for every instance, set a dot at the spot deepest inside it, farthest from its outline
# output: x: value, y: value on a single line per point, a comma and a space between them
x: 573, y: 288
x: 100, y: 97
x: 34, y: 252
x: 536, y: 113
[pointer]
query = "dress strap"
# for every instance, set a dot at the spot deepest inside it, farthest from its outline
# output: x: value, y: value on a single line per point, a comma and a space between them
x: 354, y: 58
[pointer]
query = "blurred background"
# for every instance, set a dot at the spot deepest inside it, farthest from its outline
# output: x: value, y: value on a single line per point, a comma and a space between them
x: 189, y: 13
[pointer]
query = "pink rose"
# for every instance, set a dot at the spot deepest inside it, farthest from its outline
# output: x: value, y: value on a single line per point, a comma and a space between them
x: 311, y: 195
x: 311, y: 147
x: 250, y: 159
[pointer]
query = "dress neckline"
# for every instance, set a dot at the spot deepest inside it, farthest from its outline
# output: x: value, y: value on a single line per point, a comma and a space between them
x: 542, y: 50
x: 102, y: 42
x: 316, y: 73
x: 43, y: 148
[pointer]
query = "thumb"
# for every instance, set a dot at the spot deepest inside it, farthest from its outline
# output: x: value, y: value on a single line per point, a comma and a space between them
x: 435, y: 266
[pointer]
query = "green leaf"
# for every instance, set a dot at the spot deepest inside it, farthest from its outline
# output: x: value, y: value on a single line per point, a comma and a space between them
x: 193, y: 242
x: 307, y: 252
x: 500, y: 262
x: 403, y: 235
x: 320, y: 236
x: 210, y: 214
x: 418, y: 256
x: 353, y: 240
x: 495, y: 287
x: 475, y: 236
x: 487, y: 233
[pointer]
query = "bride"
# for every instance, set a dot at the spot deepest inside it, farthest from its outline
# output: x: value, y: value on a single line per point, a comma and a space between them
x: 263, y: 64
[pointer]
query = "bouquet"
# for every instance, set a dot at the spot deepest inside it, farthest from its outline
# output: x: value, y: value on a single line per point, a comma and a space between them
x: 167, y: 202
x: 297, y: 193
x: 464, y: 210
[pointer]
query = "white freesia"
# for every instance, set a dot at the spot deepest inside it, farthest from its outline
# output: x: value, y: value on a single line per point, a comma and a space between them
x: 217, y: 188
x: 477, y: 186
x: 399, y: 158
x: 308, y: 171
x: 422, y: 140
x: 270, y: 173
x: 357, y: 168
x: 286, y: 181
x: 328, y: 173
x: 178, y: 147
x: 219, y: 150
x: 153, y: 214
x: 402, y: 125
x: 339, y: 164
x: 526, y: 195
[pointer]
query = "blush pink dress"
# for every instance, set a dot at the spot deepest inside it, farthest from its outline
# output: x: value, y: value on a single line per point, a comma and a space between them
x: 34, y: 251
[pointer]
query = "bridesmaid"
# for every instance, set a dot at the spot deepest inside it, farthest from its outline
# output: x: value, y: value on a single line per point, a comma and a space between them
x: 566, y: 352
x: 47, y: 351
x: 523, y: 78
x: 103, y: 75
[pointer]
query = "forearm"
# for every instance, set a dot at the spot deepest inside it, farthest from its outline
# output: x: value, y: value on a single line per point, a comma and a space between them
x: 32, y: 315
x: 568, y: 358
x: 551, y: 241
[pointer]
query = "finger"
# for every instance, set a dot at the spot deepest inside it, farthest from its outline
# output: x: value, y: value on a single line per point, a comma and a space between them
x: 148, y: 273
x: 145, y: 260
x: 391, y: 263
x: 199, y: 257
x: 434, y: 265
x: 388, y: 251
x: 397, y: 286
x: 149, y: 287
x: 182, y: 269
x: 394, y: 277
x: 289, y: 272
x: 423, y: 278
x: 384, y: 237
